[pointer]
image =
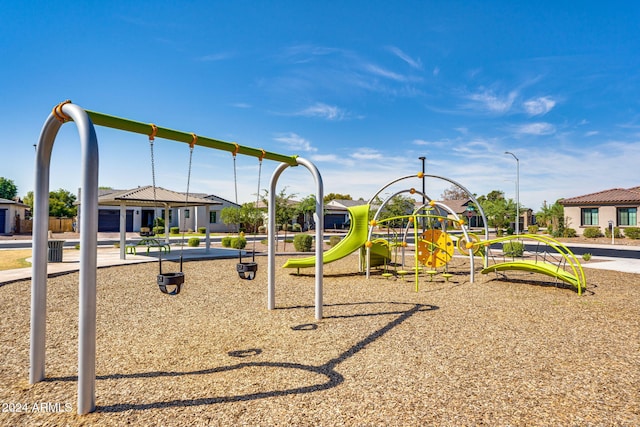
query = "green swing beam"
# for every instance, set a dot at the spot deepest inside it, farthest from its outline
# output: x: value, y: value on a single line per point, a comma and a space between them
x: 114, y: 122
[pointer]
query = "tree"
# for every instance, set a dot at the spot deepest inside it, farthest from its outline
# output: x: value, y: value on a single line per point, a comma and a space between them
x: 499, y: 211
x: 307, y: 207
x: 336, y: 196
x: 284, y: 209
x: 454, y: 193
x: 398, y: 206
x: 8, y: 189
x: 61, y: 204
x: 246, y: 217
x: 552, y: 217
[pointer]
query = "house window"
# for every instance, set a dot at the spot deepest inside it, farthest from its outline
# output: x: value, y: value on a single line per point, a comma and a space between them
x: 170, y: 215
x: 213, y: 217
x: 589, y: 216
x: 186, y: 213
x: 627, y: 216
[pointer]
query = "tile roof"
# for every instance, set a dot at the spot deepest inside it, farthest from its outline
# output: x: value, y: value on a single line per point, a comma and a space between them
x: 144, y: 196
x: 614, y: 195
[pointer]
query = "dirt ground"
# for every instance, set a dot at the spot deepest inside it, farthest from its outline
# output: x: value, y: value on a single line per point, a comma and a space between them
x: 516, y: 350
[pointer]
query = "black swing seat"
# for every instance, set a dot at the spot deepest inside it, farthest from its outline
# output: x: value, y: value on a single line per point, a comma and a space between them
x: 247, y: 270
x: 170, y: 283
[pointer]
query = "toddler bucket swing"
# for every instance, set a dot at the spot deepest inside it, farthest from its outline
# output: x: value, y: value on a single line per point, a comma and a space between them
x: 171, y: 283
x: 247, y: 270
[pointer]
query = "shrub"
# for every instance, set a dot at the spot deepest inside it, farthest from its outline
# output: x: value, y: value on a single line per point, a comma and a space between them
x: 303, y: 242
x: 297, y: 227
x: 533, y: 229
x: 226, y: 242
x: 569, y: 232
x: 238, y: 242
x: 158, y: 230
x: 592, y: 232
x: 632, y: 232
x: 616, y: 233
x: 333, y: 240
x: 174, y: 230
x: 202, y: 230
x: 509, y: 231
x: 586, y: 256
x: 514, y: 249
x: 287, y: 227
x: 194, y: 242
x: 262, y: 230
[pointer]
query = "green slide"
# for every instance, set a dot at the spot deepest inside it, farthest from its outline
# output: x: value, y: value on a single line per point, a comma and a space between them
x: 355, y: 238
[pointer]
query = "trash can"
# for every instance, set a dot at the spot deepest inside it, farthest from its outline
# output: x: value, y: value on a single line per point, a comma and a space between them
x: 55, y: 250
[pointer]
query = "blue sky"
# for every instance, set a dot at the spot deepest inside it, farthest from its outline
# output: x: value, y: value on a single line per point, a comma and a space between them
x: 362, y: 89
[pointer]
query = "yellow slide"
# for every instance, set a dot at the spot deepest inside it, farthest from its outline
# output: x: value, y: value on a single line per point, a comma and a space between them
x: 354, y: 240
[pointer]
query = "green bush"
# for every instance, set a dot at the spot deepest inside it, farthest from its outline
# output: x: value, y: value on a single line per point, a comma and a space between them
x: 586, y: 256
x: 616, y: 233
x: 202, y: 230
x: 158, y: 230
x: 533, y: 229
x: 569, y: 232
x: 333, y: 240
x: 287, y: 227
x: 262, y: 230
x: 174, y: 230
x: 238, y: 242
x: 226, y: 242
x: 632, y: 232
x: 510, y: 231
x: 194, y: 242
x: 513, y: 249
x: 297, y: 227
x: 592, y: 232
x: 303, y: 242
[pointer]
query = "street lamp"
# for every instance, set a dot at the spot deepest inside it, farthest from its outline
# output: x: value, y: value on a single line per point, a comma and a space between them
x: 517, y: 191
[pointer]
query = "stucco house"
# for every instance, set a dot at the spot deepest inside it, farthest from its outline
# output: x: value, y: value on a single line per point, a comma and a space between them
x: 617, y: 205
x: 11, y: 212
x: 139, y: 206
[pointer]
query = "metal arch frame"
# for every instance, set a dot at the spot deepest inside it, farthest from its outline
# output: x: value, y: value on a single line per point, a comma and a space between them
x: 88, y: 254
x: 471, y: 196
x: 86, y: 121
x: 319, y: 220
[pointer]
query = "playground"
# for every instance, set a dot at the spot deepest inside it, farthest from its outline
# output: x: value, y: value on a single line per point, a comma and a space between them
x: 425, y: 340
x: 492, y: 352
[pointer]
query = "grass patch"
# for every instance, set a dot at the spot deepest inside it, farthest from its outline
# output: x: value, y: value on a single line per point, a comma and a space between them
x: 12, y: 259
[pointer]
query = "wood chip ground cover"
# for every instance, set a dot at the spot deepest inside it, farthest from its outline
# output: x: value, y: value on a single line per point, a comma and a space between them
x: 514, y: 351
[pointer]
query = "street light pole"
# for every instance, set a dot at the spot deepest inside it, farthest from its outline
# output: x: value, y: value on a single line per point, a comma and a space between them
x: 517, y: 191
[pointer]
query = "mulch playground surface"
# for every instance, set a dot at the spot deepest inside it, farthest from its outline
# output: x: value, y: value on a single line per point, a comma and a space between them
x: 516, y: 351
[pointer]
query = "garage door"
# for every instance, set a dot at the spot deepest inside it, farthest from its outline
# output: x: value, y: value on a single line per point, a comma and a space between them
x: 109, y: 220
x: 3, y: 218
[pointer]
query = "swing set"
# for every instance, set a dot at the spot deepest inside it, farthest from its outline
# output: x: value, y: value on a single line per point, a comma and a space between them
x: 169, y: 283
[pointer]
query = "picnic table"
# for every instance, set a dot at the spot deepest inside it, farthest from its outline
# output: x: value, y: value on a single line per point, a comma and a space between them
x: 149, y: 242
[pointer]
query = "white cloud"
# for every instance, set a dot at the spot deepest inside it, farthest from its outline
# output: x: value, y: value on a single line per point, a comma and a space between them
x: 319, y: 109
x: 295, y: 142
x: 493, y: 103
x: 591, y: 133
x: 414, y: 63
x: 539, y: 128
x: 539, y: 106
x: 379, y: 71
x: 367, y: 154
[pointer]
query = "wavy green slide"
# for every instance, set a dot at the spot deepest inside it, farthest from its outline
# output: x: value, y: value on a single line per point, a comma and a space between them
x: 355, y: 238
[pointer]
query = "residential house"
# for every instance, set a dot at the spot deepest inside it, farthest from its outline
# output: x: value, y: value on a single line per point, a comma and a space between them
x: 142, y: 204
x: 11, y: 214
x: 617, y: 206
